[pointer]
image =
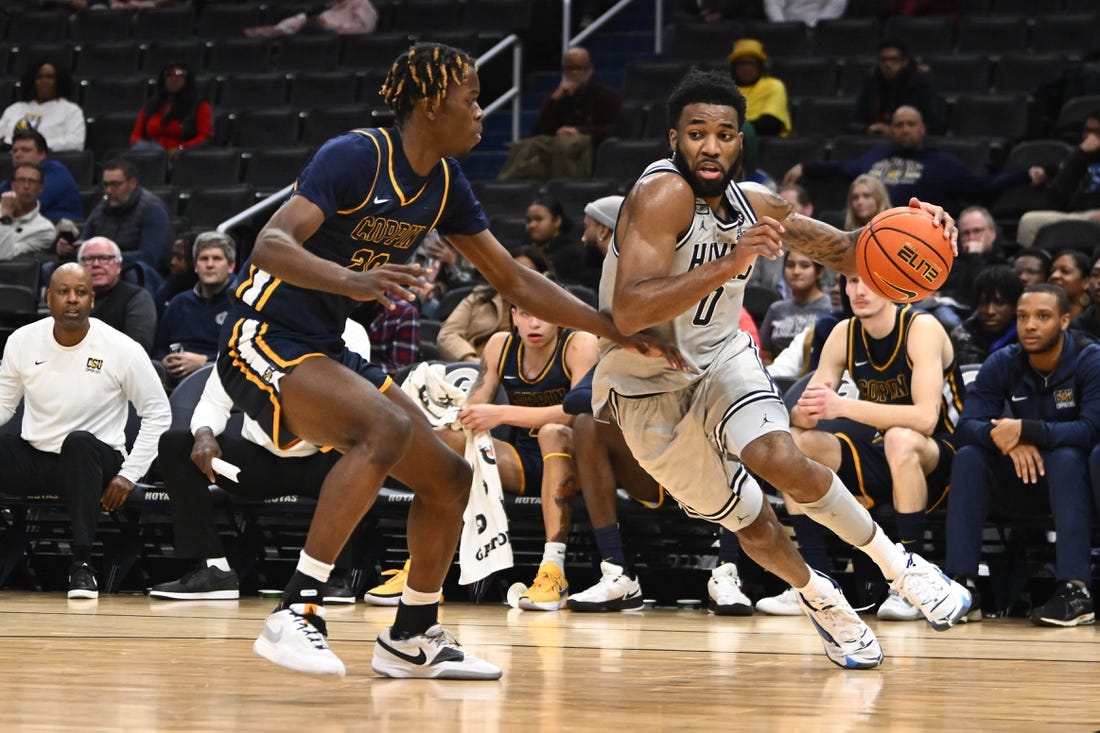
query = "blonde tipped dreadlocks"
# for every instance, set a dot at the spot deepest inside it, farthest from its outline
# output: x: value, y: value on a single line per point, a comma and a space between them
x: 423, y: 72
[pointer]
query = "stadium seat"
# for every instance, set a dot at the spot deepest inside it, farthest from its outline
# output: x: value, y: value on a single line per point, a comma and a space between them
x: 250, y: 91
x: 1072, y: 117
x: 1023, y: 72
x: 109, y: 94
x: 990, y: 115
x: 850, y: 147
x: 38, y: 26
x: 450, y: 300
x: 163, y: 23
x: 506, y: 16
x: 975, y: 152
x: 961, y: 73
x: 81, y: 163
x: 185, y: 397
x: 825, y: 116
x: 991, y: 34
x: 705, y: 41
x: 415, y: 15
x: 106, y: 58
x: 100, y: 25
x: 109, y: 131
x: 321, y: 124
x: 786, y: 38
x: 757, y: 299
x: 805, y: 76
x: 307, y: 53
x: 206, y: 166
x: 1021, y: 198
x: 924, y: 34
x: 575, y: 195
x: 271, y: 169
x: 505, y: 198
x: 651, y: 79
x: 1079, y: 234
x: 228, y: 20
x: 238, y: 55
x: 373, y: 51
x: 776, y: 155
x: 846, y: 37
x: 211, y: 205
x: 151, y: 165
x: 156, y: 55
x: 321, y: 89
x: 623, y: 161
x: 263, y: 128
x: 1059, y: 33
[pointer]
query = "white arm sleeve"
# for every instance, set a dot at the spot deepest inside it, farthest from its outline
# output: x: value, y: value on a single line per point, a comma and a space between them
x: 214, y: 406
x: 144, y: 389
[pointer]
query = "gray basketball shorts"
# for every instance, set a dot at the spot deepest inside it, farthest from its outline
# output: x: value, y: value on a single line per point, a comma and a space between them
x: 689, y: 440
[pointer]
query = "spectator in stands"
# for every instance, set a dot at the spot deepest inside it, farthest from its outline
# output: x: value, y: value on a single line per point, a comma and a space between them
x: 574, y: 119
x: 1031, y: 265
x: 187, y: 335
x: 599, y: 227
x: 993, y: 323
x: 1089, y: 320
x: 266, y: 473
x: 1070, y: 270
x: 979, y: 248
x: 60, y: 197
x: 344, y: 17
x: 483, y: 312
x: 394, y: 335
x: 47, y: 87
x: 908, y: 168
x: 445, y: 269
x: 910, y: 391
x: 1075, y: 188
x: 537, y: 364
x: 768, y: 110
x: 1036, y: 459
x: 807, y: 11
x: 896, y: 82
x: 176, y: 118
x: 547, y: 229
x: 181, y: 272
x: 867, y: 197
x: 76, y: 376
x: 122, y: 305
x: 786, y: 318
x: 24, y: 233
x: 135, y: 219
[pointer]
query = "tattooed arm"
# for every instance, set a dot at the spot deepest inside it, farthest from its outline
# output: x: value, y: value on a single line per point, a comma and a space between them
x: 821, y: 242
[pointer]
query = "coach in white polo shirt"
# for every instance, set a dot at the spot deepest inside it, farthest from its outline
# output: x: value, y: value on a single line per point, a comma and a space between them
x: 76, y: 376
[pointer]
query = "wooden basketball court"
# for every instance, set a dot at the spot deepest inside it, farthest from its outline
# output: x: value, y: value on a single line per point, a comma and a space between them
x: 126, y: 662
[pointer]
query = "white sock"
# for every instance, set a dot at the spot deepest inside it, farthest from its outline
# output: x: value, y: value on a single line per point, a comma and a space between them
x: 817, y: 587
x: 554, y: 552
x: 218, y: 562
x: 890, y: 559
x: 313, y: 568
x: 412, y: 597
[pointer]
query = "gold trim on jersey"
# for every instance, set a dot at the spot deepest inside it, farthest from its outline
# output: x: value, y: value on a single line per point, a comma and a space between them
x: 393, y: 177
x: 377, y: 170
x: 238, y: 361
x: 865, y: 499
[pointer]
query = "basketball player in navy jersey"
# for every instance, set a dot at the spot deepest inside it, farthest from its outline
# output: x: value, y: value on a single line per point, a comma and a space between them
x: 361, y: 206
x: 910, y: 390
x: 685, y: 243
x: 537, y: 363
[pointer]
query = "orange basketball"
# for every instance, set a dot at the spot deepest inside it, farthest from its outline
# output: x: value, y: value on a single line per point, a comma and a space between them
x: 903, y: 256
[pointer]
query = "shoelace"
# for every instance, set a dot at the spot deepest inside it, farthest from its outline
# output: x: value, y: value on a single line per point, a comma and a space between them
x: 440, y: 637
x: 314, y: 629
x: 839, y: 620
x: 916, y: 585
x: 546, y: 579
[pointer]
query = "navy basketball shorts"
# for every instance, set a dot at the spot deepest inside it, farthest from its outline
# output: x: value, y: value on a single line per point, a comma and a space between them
x: 864, y: 470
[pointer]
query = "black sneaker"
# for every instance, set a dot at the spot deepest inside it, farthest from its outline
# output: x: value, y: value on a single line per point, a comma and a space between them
x: 82, y: 582
x: 201, y: 584
x: 1071, y: 605
x: 974, y: 615
x: 337, y: 590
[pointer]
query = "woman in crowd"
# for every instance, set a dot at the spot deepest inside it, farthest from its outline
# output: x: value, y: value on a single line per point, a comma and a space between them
x: 788, y: 317
x: 47, y: 87
x: 176, y: 118
x: 548, y: 229
x: 1070, y: 271
x: 866, y: 197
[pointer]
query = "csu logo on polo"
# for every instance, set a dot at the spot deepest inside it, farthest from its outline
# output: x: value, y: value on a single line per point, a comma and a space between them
x: 93, y: 365
x: 1063, y: 399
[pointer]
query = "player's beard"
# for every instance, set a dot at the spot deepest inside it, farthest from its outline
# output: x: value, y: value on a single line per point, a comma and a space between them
x: 705, y: 189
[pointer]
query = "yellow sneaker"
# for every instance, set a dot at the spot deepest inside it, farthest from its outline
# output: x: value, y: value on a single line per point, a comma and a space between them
x: 549, y: 592
x: 388, y: 593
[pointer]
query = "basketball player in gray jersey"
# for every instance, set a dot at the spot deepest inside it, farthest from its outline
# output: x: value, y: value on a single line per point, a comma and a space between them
x: 685, y: 243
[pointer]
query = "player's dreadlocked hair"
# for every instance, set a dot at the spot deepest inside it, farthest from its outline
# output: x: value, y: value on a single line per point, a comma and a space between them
x: 423, y: 72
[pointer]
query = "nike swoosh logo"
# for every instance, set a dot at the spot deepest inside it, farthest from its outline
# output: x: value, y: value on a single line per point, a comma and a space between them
x: 379, y: 201
x: 861, y: 363
x: 36, y: 363
x: 1019, y: 399
x: 418, y: 659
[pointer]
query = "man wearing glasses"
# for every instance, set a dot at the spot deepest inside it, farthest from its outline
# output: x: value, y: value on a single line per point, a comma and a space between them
x: 129, y: 215
x: 122, y: 305
x: 60, y: 196
x: 24, y: 233
x: 894, y: 83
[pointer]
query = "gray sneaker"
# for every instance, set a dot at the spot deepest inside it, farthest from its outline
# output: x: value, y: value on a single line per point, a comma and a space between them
x: 849, y: 643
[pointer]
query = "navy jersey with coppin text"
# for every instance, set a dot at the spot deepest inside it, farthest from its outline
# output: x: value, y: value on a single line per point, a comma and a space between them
x: 883, y: 371
x: 545, y: 390
x: 377, y: 210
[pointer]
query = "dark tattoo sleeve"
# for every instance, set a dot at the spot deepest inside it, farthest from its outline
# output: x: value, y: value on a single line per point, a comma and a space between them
x: 821, y: 242
x: 482, y: 369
